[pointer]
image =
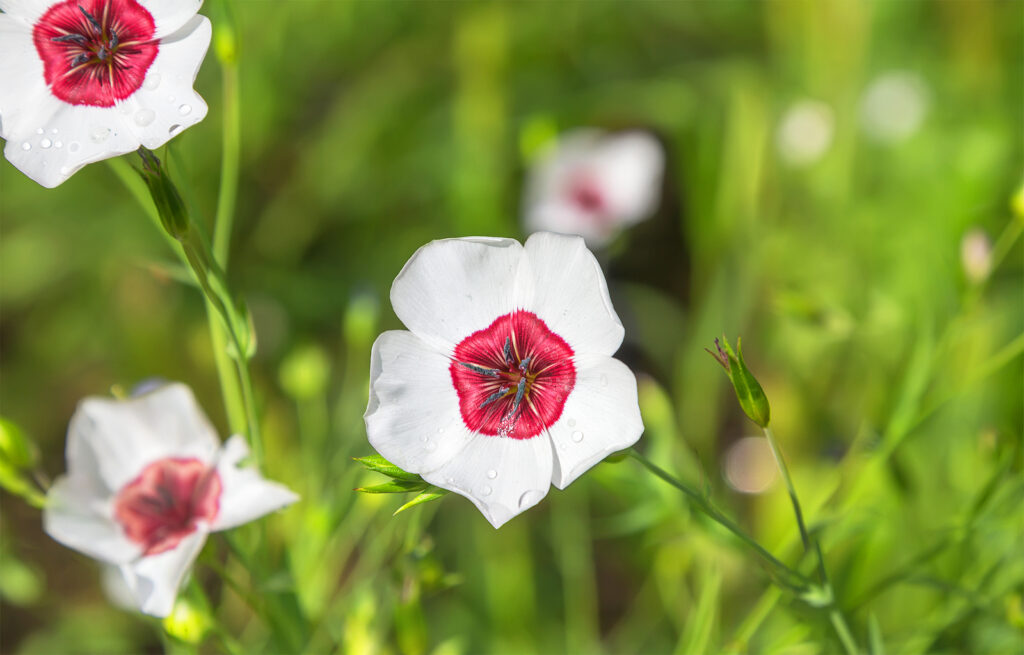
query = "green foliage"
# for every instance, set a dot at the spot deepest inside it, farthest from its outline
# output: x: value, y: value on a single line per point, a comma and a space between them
x: 368, y: 129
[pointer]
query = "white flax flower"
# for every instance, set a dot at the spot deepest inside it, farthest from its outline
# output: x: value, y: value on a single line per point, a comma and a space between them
x: 147, y: 481
x: 504, y: 383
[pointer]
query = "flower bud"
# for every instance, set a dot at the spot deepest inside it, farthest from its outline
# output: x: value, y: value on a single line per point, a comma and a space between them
x: 169, y: 205
x: 748, y: 391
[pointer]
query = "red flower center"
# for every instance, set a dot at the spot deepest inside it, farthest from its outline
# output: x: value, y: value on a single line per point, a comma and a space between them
x: 162, y: 505
x: 512, y: 377
x: 95, y: 52
x: 585, y: 193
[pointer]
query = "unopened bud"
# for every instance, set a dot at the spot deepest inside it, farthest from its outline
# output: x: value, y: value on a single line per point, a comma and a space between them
x: 976, y: 255
x: 169, y: 205
x: 748, y: 391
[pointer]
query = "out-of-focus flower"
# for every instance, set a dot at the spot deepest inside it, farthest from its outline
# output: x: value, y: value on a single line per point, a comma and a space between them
x: 894, y: 106
x: 505, y: 382
x: 85, y: 80
x: 805, y: 132
x: 147, y: 481
x: 594, y: 184
x: 976, y: 255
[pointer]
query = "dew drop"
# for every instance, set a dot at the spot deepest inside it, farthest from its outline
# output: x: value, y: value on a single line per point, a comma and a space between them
x: 40, y: 130
x: 74, y: 146
x: 185, y: 110
x: 99, y: 134
x: 485, y: 490
x: 152, y: 81
x: 571, y: 422
x: 174, y: 128
x: 64, y: 170
x: 492, y: 474
x: 26, y: 146
x: 45, y: 143
x: 440, y: 430
x: 449, y: 481
x: 430, y: 446
x: 530, y: 498
x: 53, y: 131
x: 577, y: 436
x: 144, y: 117
x: 58, y: 144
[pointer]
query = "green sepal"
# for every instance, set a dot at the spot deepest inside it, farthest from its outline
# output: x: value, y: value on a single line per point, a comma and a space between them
x: 748, y: 391
x: 169, y: 205
x: 429, y: 494
x: 395, y: 487
x: 16, y: 449
x: 381, y: 465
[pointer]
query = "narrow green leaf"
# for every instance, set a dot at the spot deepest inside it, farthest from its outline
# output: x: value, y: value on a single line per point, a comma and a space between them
x: 381, y: 465
x: 431, y: 493
x: 875, y: 642
x: 395, y: 487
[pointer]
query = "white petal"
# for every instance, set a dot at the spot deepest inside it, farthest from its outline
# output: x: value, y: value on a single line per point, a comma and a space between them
x: 166, y: 104
x: 154, y: 580
x: 169, y: 15
x: 569, y: 293
x: 245, y: 495
x: 454, y: 287
x: 502, y: 476
x: 27, y: 11
x: 601, y: 416
x: 78, y: 515
x: 559, y: 215
x: 120, y: 437
x: 413, y: 417
x: 629, y: 169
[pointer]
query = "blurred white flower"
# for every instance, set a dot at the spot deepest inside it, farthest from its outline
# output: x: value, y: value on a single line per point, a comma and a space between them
x: 594, y: 184
x: 147, y: 481
x: 505, y: 382
x: 85, y: 80
x: 976, y: 255
x: 805, y: 132
x: 894, y: 106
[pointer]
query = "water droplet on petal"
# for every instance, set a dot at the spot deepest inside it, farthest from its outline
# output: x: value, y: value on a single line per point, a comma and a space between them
x: 185, y: 110
x: 53, y: 131
x: 530, y: 498
x: 173, y: 129
x: 449, y: 481
x: 152, y: 81
x: 26, y: 146
x: 144, y: 117
x: 99, y: 134
x: 74, y: 146
x: 45, y: 143
x: 40, y: 130
x: 64, y: 170
x: 492, y: 474
x: 485, y: 490
x: 440, y: 430
x: 571, y: 422
x: 577, y: 436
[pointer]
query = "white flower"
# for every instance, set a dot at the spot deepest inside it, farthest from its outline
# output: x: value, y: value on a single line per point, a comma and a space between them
x: 594, y: 184
x: 147, y: 481
x: 894, y: 106
x: 505, y: 382
x: 805, y: 132
x: 85, y: 80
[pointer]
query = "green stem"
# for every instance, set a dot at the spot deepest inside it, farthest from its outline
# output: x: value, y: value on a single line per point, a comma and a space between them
x: 1006, y: 240
x: 702, y: 504
x: 230, y: 153
x: 811, y: 545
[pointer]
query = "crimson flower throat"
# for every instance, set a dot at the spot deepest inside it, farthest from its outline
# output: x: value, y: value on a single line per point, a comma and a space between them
x: 95, y: 52
x: 164, y: 503
x: 512, y: 377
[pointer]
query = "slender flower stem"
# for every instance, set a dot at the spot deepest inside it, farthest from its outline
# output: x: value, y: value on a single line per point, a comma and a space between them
x: 811, y: 545
x: 230, y: 153
x: 702, y: 504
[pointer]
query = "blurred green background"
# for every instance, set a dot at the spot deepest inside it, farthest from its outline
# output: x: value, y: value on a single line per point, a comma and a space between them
x: 821, y: 224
